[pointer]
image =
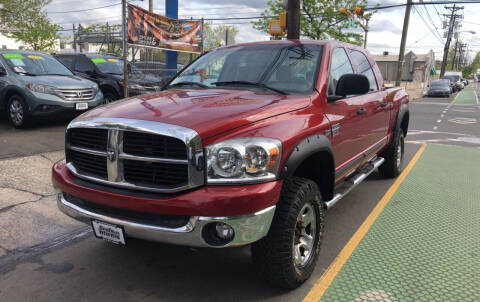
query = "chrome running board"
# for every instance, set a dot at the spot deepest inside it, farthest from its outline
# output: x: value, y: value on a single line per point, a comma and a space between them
x: 354, y: 180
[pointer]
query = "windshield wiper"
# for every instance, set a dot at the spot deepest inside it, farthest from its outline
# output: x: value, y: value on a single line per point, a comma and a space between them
x: 187, y: 84
x: 250, y: 84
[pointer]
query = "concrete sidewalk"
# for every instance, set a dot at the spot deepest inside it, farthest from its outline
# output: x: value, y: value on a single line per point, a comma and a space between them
x: 28, y: 210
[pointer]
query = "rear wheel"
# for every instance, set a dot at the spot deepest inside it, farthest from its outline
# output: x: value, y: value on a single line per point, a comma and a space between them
x: 17, y: 112
x: 286, y: 257
x: 393, y: 164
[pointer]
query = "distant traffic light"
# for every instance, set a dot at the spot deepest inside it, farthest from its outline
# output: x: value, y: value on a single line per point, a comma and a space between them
x: 358, y: 11
x: 344, y: 11
x: 277, y: 27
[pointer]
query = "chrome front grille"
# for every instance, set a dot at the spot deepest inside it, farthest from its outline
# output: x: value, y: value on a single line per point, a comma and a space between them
x: 76, y: 94
x: 139, y: 155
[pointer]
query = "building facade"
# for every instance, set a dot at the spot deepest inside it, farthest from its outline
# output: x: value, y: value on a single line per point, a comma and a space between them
x: 417, y: 67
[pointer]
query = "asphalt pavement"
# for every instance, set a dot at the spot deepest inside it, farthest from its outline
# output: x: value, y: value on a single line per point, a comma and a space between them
x: 72, y: 265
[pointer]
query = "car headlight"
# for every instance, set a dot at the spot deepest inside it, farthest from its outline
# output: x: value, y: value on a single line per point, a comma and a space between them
x: 41, y: 88
x: 95, y: 89
x: 243, y: 160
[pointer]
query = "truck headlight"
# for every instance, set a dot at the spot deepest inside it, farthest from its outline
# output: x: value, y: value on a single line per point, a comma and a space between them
x: 41, y: 88
x: 243, y: 160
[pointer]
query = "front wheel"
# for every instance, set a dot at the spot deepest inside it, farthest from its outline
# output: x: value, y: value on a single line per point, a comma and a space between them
x: 17, y: 112
x: 286, y: 257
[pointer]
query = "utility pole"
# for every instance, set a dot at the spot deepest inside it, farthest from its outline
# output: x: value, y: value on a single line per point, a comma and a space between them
x: 453, y: 17
x: 293, y: 19
x: 150, y: 51
x: 454, y: 54
x: 226, y: 36
x: 401, y: 55
x: 79, y: 37
x: 125, y: 50
x: 74, y: 39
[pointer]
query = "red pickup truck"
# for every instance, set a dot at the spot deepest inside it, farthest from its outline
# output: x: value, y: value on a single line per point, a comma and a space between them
x: 249, y: 144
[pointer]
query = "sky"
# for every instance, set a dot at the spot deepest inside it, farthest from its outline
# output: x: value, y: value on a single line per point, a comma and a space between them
x: 425, y: 29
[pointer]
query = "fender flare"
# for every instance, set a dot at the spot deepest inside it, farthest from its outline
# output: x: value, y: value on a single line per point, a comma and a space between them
x: 306, y: 149
x: 8, y: 90
x: 402, y: 111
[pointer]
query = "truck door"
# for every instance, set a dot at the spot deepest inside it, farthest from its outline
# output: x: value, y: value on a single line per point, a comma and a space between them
x: 375, y: 120
x: 350, y: 134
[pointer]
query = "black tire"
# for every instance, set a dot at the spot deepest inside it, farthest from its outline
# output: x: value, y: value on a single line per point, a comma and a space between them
x: 17, y: 112
x: 273, y: 255
x: 393, y: 156
x: 110, y: 96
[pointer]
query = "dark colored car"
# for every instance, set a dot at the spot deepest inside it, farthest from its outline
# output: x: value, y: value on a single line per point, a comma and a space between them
x: 36, y: 84
x: 455, y: 82
x: 440, y: 88
x: 107, y: 72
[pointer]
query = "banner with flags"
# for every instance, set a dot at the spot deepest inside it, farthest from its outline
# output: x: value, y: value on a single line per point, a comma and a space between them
x: 147, y: 29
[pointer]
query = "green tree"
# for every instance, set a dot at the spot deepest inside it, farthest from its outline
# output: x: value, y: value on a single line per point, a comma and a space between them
x: 473, y: 67
x: 319, y: 19
x: 214, y: 36
x: 24, y: 21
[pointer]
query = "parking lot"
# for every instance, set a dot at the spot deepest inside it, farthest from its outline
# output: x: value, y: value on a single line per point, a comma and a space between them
x: 45, y: 256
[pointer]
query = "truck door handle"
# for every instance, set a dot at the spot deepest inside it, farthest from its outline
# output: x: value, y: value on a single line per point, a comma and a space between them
x: 361, y: 111
x: 383, y: 104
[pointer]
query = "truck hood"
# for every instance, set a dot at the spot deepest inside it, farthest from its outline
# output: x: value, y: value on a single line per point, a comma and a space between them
x: 209, y: 112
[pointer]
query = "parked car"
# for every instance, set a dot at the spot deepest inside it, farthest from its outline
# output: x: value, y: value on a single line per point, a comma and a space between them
x: 107, y: 72
x: 440, y: 88
x: 456, y: 77
x: 465, y: 82
x: 455, y: 82
x: 36, y: 84
x: 250, y: 144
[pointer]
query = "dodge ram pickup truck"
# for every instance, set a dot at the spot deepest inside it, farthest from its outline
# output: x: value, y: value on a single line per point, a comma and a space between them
x: 248, y: 145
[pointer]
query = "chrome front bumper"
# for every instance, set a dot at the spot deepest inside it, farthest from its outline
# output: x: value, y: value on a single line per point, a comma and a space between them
x: 247, y: 228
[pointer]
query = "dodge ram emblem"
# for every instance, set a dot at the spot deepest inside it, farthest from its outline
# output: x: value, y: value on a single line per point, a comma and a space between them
x: 111, y: 155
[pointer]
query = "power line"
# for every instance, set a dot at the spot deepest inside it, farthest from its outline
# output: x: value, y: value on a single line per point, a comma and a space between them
x: 431, y: 30
x: 88, y: 9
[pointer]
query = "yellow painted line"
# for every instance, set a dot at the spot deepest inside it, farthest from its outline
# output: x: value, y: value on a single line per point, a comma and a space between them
x: 455, y: 98
x: 326, y: 279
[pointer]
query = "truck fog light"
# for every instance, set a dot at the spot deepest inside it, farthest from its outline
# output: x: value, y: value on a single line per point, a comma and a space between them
x: 218, y: 234
x: 224, y: 231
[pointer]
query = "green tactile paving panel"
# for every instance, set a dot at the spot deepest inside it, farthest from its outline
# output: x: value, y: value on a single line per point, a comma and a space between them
x: 466, y: 96
x: 425, y: 245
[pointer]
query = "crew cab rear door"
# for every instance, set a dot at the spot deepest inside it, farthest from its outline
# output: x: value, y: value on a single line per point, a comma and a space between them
x: 375, y: 116
x: 350, y: 134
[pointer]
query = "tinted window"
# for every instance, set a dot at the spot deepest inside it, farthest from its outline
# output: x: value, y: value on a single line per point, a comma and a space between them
x: 363, y: 67
x: 109, y: 65
x: 66, y: 60
x: 339, y: 66
x: 83, y: 65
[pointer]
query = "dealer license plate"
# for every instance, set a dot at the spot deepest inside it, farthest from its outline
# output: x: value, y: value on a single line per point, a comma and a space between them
x: 81, y: 106
x: 108, y: 232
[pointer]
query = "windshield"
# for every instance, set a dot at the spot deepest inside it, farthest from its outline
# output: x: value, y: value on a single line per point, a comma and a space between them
x: 290, y: 69
x: 439, y: 83
x: 452, y: 78
x: 112, y: 65
x: 35, y: 64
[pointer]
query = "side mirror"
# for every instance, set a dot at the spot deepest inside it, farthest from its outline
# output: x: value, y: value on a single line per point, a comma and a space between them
x: 350, y: 84
x: 3, y: 71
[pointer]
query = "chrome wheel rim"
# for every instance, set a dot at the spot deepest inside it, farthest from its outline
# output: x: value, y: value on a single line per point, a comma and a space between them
x: 304, y: 238
x: 399, y: 154
x: 16, y: 112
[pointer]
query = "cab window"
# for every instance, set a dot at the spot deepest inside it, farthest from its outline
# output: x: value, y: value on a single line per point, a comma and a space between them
x: 363, y: 67
x: 339, y: 65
